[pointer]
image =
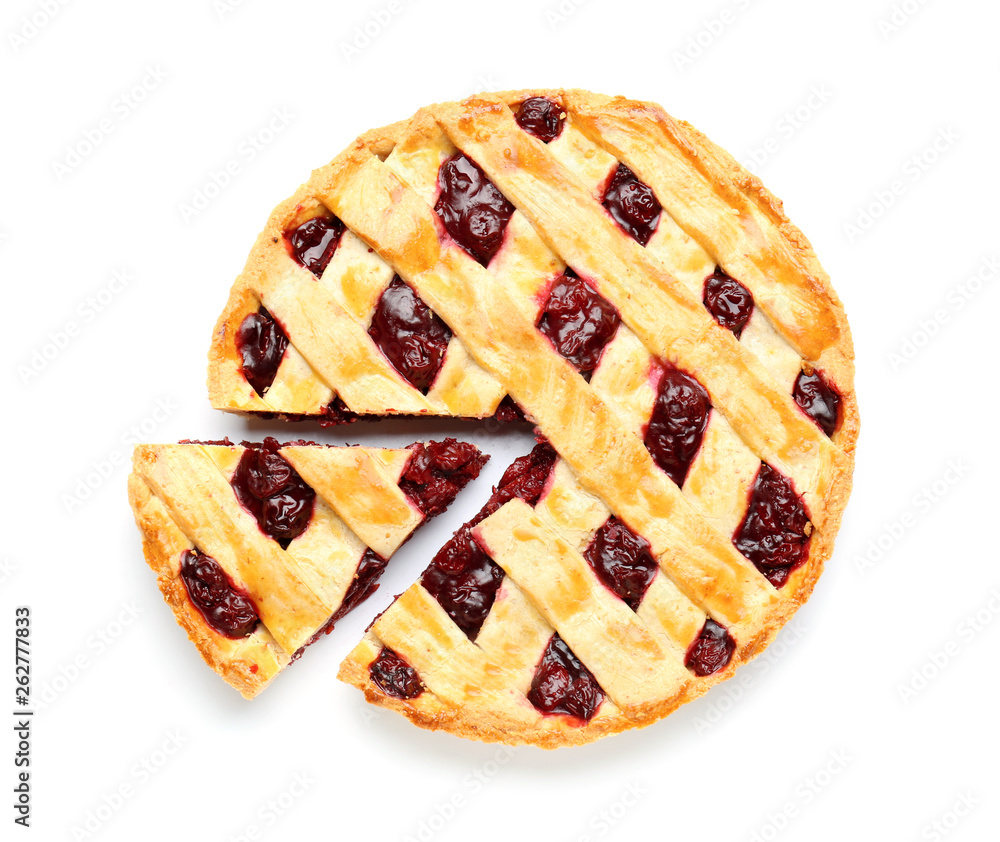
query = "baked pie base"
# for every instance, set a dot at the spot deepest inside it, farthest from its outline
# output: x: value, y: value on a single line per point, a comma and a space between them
x: 716, y: 217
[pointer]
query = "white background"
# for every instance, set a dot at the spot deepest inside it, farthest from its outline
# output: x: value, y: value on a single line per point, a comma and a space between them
x: 833, y: 734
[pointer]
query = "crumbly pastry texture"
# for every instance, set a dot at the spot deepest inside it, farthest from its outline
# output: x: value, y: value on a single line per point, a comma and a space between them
x: 640, y: 654
x: 327, y: 515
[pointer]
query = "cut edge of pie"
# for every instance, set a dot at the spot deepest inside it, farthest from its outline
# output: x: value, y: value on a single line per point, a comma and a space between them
x: 506, y: 718
x: 259, y: 549
x: 709, y: 203
x: 229, y: 390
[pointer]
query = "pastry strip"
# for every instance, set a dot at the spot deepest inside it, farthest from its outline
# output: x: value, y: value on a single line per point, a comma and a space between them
x: 581, y: 231
x: 602, y: 631
x: 204, y: 506
x: 248, y: 664
x: 357, y: 486
x: 335, y: 345
x: 696, y: 189
x: 607, y: 457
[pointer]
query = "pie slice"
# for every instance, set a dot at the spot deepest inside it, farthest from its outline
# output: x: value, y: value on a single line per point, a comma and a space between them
x: 260, y: 548
x: 605, y: 271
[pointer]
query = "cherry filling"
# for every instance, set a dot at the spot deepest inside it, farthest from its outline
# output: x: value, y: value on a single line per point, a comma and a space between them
x: 314, y: 242
x: 471, y: 207
x: 509, y: 411
x: 273, y: 492
x: 394, y: 677
x: 410, y: 334
x: 774, y: 534
x: 818, y: 400
x: 525, y: 478
x: 464, y: 580
x: 438, y: 470
x: 711, y: 651
x: 261, y: 344
x: 434, y: 475
x: 462, y: 577
x: 622, y: 561
x: 336, y: 413
x: 632, y: 205
x: 226, y: 608
x: 680, y: 415
x: 541, y: 117
x: 729, y: 302
x: 578, y: 321
x: 365, y: 583
x: 563, y: 685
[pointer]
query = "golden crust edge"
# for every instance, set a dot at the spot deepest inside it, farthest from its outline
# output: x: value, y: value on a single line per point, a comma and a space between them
x: 486, y: 726
x: 237, y: 672
x: 222, y: 379
x: 837, y: 358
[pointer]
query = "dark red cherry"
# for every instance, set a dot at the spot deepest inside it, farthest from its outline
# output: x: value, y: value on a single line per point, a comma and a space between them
x: 410, y: 334
x: 632, y: 205
x: 438, y: 470
x: 261, y: 344
x: 462, y: 577
x: 226, y: 608
x: 314, y: 242
x: 563, y: 685
x: 286, y: 515
x: 773, y: 535
x: 525, y: 478
x: 474, y: 212
x: 450, y: 457
x: 578, y: 321
x: 394, y: 677
x: 541, y: 117
x: 729, y: 302
x: 622, y: 561
x: 711, y: 651
x: 818, y: 400
x: 464, y: 580
x: 268, y: 474
x: 273, y: 492
x: 680, y: 415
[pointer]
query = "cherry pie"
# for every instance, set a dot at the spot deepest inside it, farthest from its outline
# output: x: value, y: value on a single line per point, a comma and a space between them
x: 260, y: 548
x: 606, y: 272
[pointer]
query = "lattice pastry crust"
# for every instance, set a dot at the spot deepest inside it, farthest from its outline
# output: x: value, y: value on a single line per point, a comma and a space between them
x: 715, y: 218
x: 185, y: 502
